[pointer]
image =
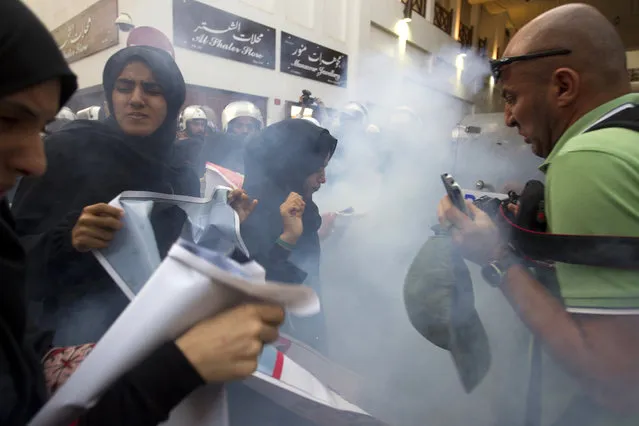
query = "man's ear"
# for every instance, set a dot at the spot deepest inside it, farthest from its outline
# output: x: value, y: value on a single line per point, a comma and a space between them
x: 566, y: 84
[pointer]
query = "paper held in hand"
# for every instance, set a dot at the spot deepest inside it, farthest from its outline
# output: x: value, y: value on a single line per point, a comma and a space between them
x: 192, y: 283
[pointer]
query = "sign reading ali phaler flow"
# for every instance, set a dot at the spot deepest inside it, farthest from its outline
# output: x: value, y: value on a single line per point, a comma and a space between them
x: 203, y: 28
x: 310, y: 60
x: 89, y: 32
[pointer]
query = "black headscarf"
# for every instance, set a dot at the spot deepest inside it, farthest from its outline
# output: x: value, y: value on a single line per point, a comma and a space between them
x: 28, y: 56
x: 159, y: 145
x: 167, y: 75
x: 287, y: 153
x: 278, y: 160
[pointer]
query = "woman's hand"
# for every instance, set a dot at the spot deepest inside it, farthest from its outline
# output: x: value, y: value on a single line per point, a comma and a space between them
x: 328, y: 225
x: 241, y: 203
x: 292, y: 211
x: 227, y: 346
x: 96, y: 227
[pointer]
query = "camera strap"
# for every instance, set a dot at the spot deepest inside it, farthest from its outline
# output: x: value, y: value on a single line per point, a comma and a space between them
x: 592, y: 250
x: 528, y: 234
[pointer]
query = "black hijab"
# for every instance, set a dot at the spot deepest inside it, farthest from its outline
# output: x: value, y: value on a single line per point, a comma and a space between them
x: 167, y: 75
x: 286, y: 153
x: 28, y: 53
x: 278, y: 160
x: 22, y: 66
x: 159, y: 145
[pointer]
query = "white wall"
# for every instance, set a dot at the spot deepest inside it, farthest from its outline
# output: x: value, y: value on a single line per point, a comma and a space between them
x: 633, y: 58
x: 326, y: 22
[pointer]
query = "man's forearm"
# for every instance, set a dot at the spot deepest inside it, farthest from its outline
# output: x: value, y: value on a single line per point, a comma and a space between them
x: 548, y: 319
x: 598, y: 351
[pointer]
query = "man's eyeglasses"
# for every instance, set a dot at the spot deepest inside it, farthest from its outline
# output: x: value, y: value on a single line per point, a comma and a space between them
x: 497, y: 64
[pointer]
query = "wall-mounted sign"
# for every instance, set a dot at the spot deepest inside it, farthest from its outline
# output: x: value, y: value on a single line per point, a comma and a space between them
x: 206, y: 29
x: 309, y: 60
x: 634, y: 74
x: 89, y: 32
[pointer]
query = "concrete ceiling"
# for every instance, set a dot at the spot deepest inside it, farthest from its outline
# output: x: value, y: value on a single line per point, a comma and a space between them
x: 623, y: 13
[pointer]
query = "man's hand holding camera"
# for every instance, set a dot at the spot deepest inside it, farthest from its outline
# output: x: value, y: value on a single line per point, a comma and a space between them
x: 478, y: 239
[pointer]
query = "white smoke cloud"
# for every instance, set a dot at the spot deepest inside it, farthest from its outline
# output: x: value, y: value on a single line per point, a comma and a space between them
x: 393, y: 178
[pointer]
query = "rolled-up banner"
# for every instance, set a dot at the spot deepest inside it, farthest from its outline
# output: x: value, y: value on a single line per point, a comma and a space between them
x: 191, y: 284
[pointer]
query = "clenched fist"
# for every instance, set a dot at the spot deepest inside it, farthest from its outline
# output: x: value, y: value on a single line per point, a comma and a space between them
x: 227, y: 346
x: 292, y: 211
x: 96, y: 227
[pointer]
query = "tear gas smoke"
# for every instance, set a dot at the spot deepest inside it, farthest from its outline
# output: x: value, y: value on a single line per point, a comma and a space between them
x: 392, y: 177
x: 389, y: 172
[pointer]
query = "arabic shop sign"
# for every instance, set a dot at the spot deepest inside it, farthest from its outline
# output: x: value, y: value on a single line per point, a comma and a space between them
x: 206, y: 29
x: 88, y: 32
x: 309, y: 60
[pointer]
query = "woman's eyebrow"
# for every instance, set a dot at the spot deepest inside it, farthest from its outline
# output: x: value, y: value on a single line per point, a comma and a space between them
x: 17, y: 108
x: 151, y: 85
x: 125, y: 81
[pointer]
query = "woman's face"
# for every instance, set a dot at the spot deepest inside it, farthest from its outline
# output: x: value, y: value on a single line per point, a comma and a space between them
x: 314, y: 182
x: 139, y: 106
x: 23, y: 116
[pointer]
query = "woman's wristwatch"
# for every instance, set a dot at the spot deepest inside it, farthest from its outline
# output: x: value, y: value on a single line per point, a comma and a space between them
x: 495, y: 271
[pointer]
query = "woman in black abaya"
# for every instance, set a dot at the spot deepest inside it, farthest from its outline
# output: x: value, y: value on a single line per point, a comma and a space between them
x: 284, y: 166
x: 285, y: 161
x: 60, y: 217
x: 22, y: 387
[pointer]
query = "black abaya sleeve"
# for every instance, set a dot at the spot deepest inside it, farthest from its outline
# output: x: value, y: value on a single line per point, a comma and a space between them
x: 146, y: 394
x: 46, y: 210
x: 260, y: 232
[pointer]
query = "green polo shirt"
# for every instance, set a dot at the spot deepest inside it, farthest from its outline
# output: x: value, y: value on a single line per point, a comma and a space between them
x: 592, y: 188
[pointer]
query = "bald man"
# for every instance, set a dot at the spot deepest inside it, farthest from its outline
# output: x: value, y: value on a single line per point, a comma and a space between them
x: 563, y: 73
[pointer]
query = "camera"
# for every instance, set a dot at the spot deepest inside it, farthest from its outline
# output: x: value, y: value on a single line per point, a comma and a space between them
x: 307, y: 99
x: 491, y: 206
x: 488, y: 205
